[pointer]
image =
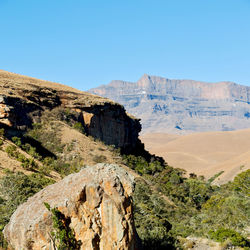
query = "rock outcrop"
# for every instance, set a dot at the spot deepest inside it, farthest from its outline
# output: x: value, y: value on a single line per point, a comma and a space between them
x: 182, y: 106
x: 23, y: 100
x: 97, y: 203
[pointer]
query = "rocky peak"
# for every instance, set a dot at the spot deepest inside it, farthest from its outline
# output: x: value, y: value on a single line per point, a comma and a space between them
x: 182, y: 106
x: 96, y: 201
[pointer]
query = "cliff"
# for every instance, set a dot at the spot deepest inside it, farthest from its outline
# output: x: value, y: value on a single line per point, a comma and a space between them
x: 23, y: 100
x: 94, y: 203
x: 182, y: 106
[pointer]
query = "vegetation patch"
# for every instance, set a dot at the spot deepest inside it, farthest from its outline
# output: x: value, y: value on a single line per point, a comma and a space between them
x: 223, y: 234
x: 63, y: 237
x: 198, y: 207
x: 15, y: 189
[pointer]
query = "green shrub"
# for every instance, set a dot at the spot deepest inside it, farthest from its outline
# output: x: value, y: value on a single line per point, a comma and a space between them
x: 2, y: 132
x: 16, y: 188
x: 141, y: 166
x: 241, y: 183
x: 17, y: 141
x: 223, y: 234
x: 78, y: 126
x: 151, y: 222
x: 3, y: 242
x: 11, y: 150
x: 63, y: 236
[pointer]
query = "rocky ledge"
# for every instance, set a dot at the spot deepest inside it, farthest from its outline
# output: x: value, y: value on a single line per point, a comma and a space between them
x: 23, y: 101
x: 95, y: 203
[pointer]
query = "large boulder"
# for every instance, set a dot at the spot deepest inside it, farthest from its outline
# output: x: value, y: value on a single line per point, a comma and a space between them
x: 96, y: 202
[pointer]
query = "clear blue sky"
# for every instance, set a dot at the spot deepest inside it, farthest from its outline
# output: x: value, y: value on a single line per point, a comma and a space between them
x: 85, y: 43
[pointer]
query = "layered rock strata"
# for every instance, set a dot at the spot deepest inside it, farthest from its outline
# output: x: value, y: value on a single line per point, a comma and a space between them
x: 182, y: 106
x: 97, y: 202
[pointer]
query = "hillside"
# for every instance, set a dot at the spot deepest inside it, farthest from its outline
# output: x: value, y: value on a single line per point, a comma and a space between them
x: 182, y: 106
x: 50, y: 132
x: 205, y: 153
x: 23, y: 100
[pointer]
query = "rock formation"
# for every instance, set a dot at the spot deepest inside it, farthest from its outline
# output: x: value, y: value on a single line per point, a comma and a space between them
x: 97, y: 203
x: 182, y: 106
x: 23, y: 100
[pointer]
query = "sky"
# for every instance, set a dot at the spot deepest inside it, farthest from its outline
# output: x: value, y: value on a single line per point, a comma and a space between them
x: 86, y: 43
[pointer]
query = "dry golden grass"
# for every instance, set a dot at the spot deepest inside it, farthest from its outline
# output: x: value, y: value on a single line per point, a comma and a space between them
x: 12, y: 84
x: 204, y: 153
x: 86, y: 147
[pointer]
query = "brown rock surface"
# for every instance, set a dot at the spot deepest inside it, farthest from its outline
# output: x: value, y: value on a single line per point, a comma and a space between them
x: 24, y: 99
x: 96, y: 200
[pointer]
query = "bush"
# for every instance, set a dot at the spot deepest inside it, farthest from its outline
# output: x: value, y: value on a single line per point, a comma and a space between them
x: 78, y: 126
x: 2, y: 132
x: 141, y: 166
x: 151, y: 219
x: 62, y: 236
x: 16, y: 188
x: 223, y: 234
x: 17, y: 141
x: 241, y: 183
x: 11, y: 150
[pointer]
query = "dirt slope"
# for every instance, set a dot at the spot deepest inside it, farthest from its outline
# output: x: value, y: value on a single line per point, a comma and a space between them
x: 204, y: 153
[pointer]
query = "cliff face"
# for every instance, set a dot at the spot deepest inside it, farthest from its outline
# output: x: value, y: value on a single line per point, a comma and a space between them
x: 96, y: 205
x: 182, y: 106
x: 23, y: 100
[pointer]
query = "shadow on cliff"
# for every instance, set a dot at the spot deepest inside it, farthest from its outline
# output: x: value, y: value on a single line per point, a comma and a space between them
x: 140, y: 150
x: 40, y: 149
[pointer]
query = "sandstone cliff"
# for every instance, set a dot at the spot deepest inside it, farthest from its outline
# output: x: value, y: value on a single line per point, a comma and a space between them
x: 24, y: 99
x: 96, y: 202
x: 182, y: 106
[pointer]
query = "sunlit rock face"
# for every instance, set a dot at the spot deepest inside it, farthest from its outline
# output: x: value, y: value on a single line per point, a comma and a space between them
x: 23, y: 101
x: 182, y: 106
x: 97, y: 202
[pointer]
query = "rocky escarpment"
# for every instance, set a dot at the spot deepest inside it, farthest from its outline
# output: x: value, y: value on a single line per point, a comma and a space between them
x: 24, y: 99
x: 182, y: 106
x: 96, y: 203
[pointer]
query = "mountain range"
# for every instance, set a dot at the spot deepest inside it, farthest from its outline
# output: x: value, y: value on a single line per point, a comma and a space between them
x: 181, y: 106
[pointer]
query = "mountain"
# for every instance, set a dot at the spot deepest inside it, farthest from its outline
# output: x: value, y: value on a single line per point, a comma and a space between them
x: 182, y: 106
x: 52, y: 195
x: 206, y: 153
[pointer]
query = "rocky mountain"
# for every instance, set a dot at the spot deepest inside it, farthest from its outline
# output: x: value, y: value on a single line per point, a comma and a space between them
x: 95, y: 203
x: 182, y: 106
x: 51, y: 197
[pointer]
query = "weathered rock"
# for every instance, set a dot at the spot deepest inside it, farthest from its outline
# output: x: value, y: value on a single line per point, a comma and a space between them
x: 23, y: 100
x: 96, y: 200
x: 182, y: 106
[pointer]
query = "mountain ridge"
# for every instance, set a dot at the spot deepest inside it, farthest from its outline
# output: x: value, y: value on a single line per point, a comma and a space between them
x: 182, y: 106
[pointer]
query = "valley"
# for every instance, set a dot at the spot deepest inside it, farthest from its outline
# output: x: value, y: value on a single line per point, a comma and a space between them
x: 205, y: 153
